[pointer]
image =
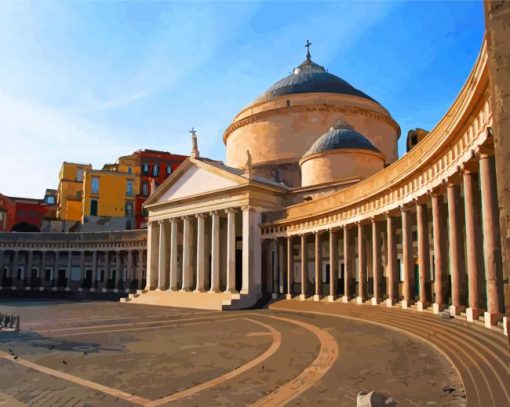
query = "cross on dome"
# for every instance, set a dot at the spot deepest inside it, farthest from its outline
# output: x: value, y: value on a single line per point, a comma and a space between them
x: 307, y: 46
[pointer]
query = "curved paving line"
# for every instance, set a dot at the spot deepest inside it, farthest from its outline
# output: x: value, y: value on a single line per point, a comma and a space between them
x: 481, y: 352
x: 327, y: 356
x: 388, y: 322
x: 277, y: 339
x: 78, y: 380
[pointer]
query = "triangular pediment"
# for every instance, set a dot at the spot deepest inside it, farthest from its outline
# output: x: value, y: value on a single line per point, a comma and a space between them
x: 194, y: 179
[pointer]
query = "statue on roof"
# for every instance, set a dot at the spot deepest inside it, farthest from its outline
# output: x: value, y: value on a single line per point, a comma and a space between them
x: 194, y: 144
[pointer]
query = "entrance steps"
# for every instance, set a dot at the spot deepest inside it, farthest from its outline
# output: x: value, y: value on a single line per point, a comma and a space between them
x: 191, y: 299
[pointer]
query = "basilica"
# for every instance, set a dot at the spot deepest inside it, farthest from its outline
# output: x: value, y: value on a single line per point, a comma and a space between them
x: 313, y: 204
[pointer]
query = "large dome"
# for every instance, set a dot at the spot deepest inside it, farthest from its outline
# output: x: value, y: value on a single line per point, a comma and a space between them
x: 310, y: 77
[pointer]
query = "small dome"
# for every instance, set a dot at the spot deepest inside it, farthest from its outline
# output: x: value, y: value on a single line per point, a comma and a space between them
x: 310, y: 77
x: 341, y: 136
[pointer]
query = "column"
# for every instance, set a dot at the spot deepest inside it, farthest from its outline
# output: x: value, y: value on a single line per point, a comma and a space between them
x: 231, y: 250
x: 200, y: 253
x: 187, y: 277
x: 275, y: 267
x: 290, y: 267
x: 456, y: 248
x: 152, y: 255
x: 439, y: 255
x: 55, y: 272
x: 14, y: 273
x: 139, y: 269
x: 82, y: 268
x: 162, y: 257
x: 42, y: 269
x: 304, y: 266
x: 362, y: 267
x: 28, y: 271
x: 333, y: 265
x: 392, y: 262
x: 174, y: 247
x: 376, y: 262
x: 491, y: 242
x: 130, y: 273
x: 407, y: 257
x: 215, y: 252
x: 69, y: 269
x: 2, y: 252
x: 118, y: 264
x: 347, y: 266
x: 423, y: 255
x: 473, y: 254
x: 107, y: 268
x: 252, y: 252
x: 318, y: 267
x: 281, y: 267
x: 93, y: 283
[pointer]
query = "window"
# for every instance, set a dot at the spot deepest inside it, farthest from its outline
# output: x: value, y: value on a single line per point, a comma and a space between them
x: 145, y: 189
x: 145, y: 168
x: 50, y: 200
x: 129, y: 208
x: 79, y: 174
x: 93, y: 207
x: 155, y: 170
x: 129, y: 187
x: 130, y: 170
x: 168, y: 169
x: 95, y: 185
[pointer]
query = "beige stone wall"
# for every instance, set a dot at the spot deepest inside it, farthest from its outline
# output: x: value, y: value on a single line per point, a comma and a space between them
x: 284, y: 129
x: 340, y: 164
x: 497, y: 17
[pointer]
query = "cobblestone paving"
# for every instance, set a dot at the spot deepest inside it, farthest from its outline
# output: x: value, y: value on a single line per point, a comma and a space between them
x: 153, y: 352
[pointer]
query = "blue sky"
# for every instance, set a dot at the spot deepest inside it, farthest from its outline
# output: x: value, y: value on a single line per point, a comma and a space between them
x: 91, y: 81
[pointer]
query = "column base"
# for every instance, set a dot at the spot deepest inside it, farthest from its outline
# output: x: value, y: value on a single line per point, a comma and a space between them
x: 405, y: 304
x: 199, y: 290
x: 437, y: 308
x: 67, y: 289
x: 456, y: 309
x: 345, y: 299
x: 288, y: 296
x: 375, y: 301
x: 215, y: 291
x: 390, y: 302
x: 472, y: 314
x: 54, y: 289
x: 41, y: 288
x: 302, y: 297
x: 80, y: 289
x: 104, y: 290
x: 274, y: 296
x: 360, y: 300
x: 506, y: 325
x: 331, y: 298
x: 28, y: 288
x: 92, y: 290
x: 316, y: 297
x: 491, y: 319
x: 421, y: 306
x: 186, y: 290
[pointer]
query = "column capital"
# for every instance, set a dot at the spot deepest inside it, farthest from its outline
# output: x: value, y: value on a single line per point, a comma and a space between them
x: 230, y: 210
x: 247, y: 208
x: 200, y: 215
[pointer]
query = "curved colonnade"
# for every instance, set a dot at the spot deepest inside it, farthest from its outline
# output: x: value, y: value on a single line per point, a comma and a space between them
x: 422, y: 232
x: 73, y: 262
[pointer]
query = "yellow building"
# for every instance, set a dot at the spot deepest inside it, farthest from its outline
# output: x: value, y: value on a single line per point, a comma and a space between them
x: 108, y: 193
x: 70, y: 187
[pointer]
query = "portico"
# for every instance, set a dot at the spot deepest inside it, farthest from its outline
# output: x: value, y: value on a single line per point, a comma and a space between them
x: 204, y: 242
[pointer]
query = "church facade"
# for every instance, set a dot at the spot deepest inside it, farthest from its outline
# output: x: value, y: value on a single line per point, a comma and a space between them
x: 314, y: 204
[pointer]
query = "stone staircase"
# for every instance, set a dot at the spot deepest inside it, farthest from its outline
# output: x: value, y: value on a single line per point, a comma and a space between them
x: 191, y: 299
